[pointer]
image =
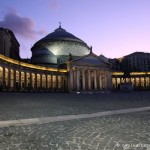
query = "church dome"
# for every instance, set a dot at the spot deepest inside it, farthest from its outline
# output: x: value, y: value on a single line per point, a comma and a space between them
x: 59, y: 44
x: 43, y: 56
x: 61, y: 34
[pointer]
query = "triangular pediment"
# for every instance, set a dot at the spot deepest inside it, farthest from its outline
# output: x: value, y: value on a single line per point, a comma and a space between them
x: 91, y: 60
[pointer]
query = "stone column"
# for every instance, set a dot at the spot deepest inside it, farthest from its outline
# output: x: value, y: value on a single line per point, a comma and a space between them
x: 100, y: 80
x: 30, y: 80
x: 74, y: 80
x: 20, y: 86
x: 135, y: 82
x: 109, y: 83
x: 139, y: 83
x: 61, y: 83
x: 57, y: 82
x: 105, y: 79
x: 4, y: 82
x: 145, y: 85
x: 83, y: 79
x: 25, y: 80
x: 116, y: 85
x: 9, y: 76
x: 35, y: 81
x: 51, y: 82
x: 89, y: 79
x: 40, y: 81
x: 71, y: 80
x: 46, y: 81
x: 78, y: 79
x: 14, y: 79
x: 95, y: 80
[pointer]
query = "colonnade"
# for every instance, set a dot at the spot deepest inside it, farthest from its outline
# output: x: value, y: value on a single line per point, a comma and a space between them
x: 83, y: 78
x: 23, y: 79
x: 136, y: 81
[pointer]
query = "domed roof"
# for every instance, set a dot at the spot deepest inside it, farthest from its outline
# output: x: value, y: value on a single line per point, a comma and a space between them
x: 61, y: 34
x: 44, y: 51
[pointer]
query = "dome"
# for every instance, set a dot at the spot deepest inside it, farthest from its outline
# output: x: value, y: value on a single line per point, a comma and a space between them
x: 61, y: 34
x: 59, y: 44
x: 43, y: 56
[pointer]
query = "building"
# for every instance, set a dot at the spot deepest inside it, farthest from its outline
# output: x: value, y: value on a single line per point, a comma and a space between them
x: 9, y: 45
x: 134, y: 69
x: 60, y: 62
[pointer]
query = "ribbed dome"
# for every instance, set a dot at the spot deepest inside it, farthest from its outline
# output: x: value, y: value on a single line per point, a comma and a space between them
x: 61, y: 34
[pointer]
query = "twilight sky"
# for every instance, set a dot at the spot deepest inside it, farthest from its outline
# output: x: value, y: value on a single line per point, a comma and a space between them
x: 113, y: 28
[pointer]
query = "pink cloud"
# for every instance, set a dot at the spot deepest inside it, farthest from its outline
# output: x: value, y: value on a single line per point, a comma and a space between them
x: 22, y: 26
x: 54, y: 4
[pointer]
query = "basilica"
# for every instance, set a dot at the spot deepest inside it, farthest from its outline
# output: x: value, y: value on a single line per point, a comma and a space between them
x: 60, y: 62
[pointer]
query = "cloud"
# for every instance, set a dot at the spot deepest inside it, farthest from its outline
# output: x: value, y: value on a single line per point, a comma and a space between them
x: 54, y: 4
x: 22, y: 26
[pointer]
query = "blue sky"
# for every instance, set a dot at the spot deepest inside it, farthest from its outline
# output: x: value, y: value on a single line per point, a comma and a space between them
x: 113, y: 28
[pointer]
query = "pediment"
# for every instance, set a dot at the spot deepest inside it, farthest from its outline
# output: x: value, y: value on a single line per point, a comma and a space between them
x: 91, y: 60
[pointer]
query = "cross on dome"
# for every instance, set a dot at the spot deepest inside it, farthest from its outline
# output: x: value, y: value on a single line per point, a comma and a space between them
x: 59, y: 24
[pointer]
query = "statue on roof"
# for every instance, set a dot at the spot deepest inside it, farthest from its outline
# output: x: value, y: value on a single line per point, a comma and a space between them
x: 70, y: 56
x: 91, y: 49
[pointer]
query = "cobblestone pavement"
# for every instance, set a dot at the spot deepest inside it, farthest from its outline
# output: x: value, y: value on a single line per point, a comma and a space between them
x: 34, y: 105
x: 117, y: 132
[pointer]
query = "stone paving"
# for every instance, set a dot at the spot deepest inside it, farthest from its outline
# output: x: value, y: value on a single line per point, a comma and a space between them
x: 115, y: 132
x: 35, y: 105
x: 118, y: 132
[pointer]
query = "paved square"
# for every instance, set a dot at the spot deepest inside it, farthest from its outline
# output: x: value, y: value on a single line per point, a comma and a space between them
x: 113, y: 132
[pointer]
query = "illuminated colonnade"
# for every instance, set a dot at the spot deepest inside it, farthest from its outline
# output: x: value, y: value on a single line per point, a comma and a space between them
x: 139, y: 80
x: 19, y: 76
x: 90, y: 78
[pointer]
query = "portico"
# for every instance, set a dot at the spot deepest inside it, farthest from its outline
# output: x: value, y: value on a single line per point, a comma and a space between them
x: 89, y: 73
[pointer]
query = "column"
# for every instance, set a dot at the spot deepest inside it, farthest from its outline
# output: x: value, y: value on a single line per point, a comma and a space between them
x: 71, y: 79
x: 40, y: 81
x: 57, y: 81
x: 109, y: 80
x: 46, y: 81
x: 4, y: 82
x: 95, y: 80
x: 20, y: 79
x: 105, y: 79
x: 145, y: 85
x: 62, y: 83
x: 14, y: 79
x: 30, y: 80
x: 25, y: 80
x: 83, y: 79
x: 100, y: 80
x: 51, y: 82
x: 116, y: 85
x: 78, y: 78
x: 9, y: 76
x: 74, y: 80
x: 89, y: 79
x: 35, y: 80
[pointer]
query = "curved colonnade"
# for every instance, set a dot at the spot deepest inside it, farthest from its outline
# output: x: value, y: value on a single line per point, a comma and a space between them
x: 20, y: 76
